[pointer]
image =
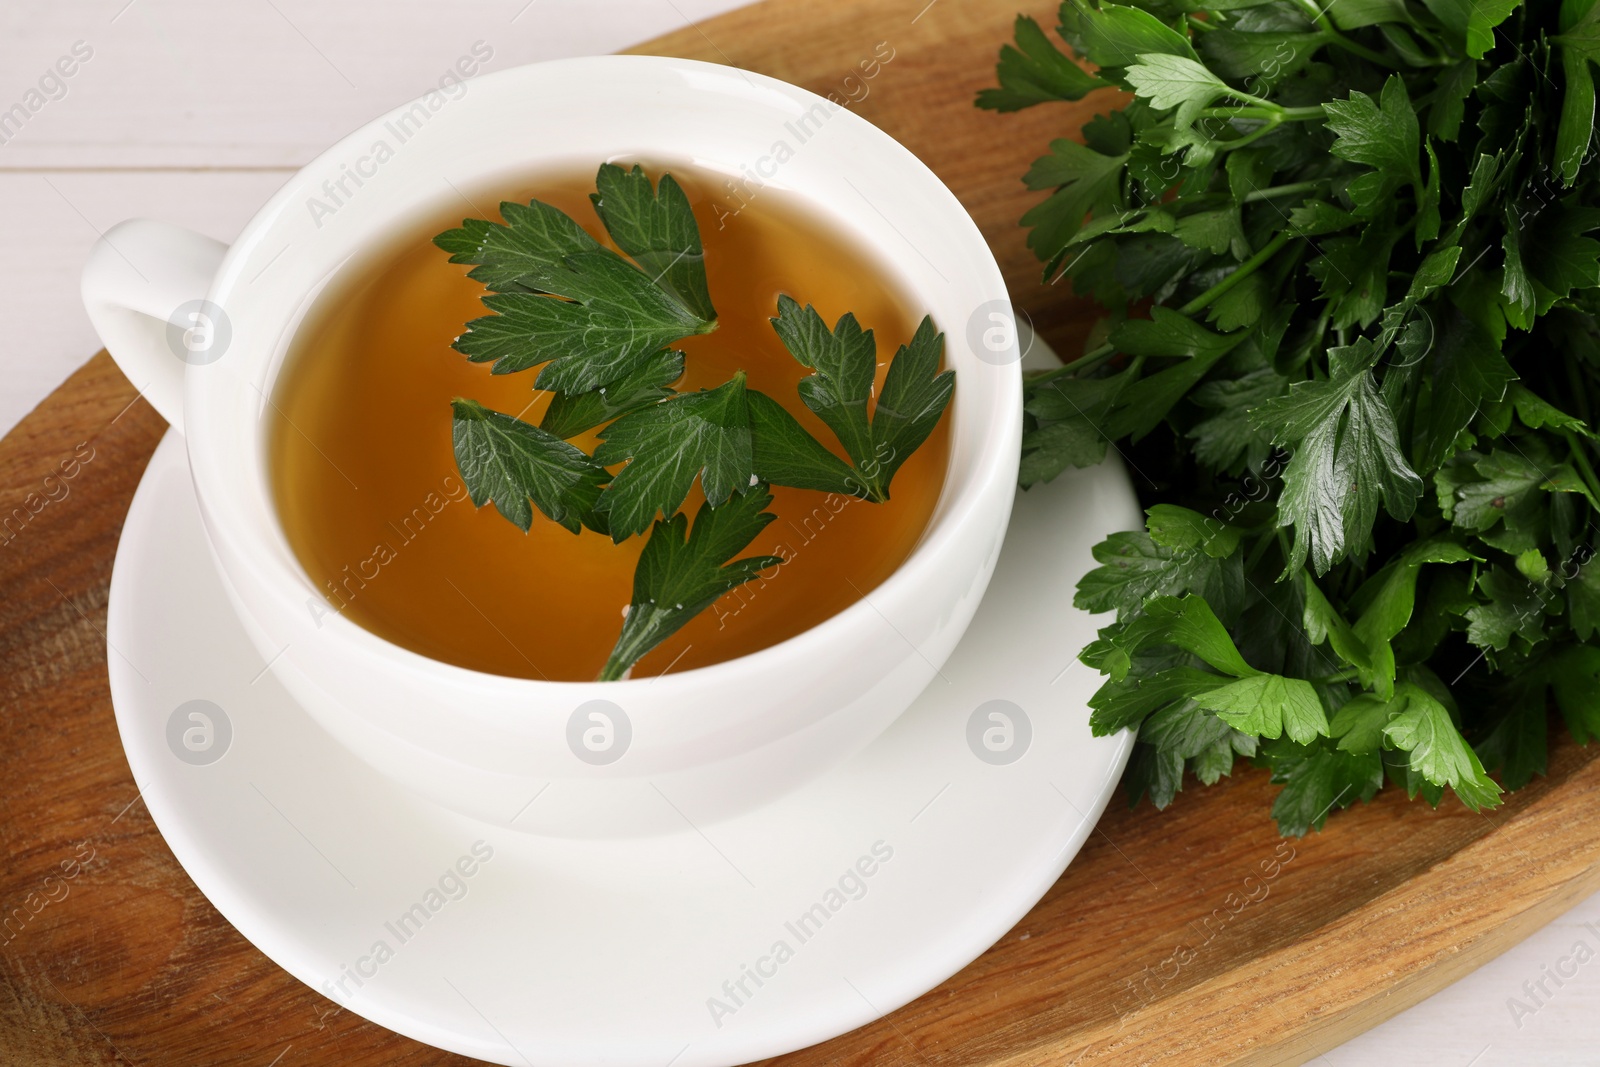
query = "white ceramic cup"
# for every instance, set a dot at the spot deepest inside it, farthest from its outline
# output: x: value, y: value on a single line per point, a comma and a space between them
x: 203, y: 328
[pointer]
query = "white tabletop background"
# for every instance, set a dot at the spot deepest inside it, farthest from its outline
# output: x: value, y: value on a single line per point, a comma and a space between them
x: 195, y: 111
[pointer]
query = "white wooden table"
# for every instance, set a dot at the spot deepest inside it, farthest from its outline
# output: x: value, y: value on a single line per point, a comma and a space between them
x: 194, y: 111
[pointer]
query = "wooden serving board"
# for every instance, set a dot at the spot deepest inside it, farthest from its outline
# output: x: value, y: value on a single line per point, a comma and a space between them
x: 1194, y: 935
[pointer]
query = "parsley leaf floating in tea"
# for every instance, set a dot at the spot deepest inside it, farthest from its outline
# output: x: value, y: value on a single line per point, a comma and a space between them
x: 524, y: 253
x: 657, y: 228
x: 844, y: 362
x: 510, y: 462
x: 683, y: 570
x: 588, y: 315
x: 706, y: 433
x: 785, y: 453
x: 587, y: 342
x: 602, y: 328
x: 1348, y: 258
x: 570, y: 414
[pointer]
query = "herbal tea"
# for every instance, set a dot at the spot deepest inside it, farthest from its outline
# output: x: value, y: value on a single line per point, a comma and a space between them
x: 696, y: 389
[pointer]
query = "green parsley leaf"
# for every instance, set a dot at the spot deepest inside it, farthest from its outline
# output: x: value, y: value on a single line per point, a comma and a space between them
x: 570, y: 414
x: 585, y: 344
x: 1143, y: 404
x: 1389, y: 598
x: 1269, y: 705
x: 560, y: 299
x: 1067, y: 415
x: 526, y: 252
x: 1507, y: 488
x: 1186, y: 530
x: 1382, y: 135
x: 1578, y: 44
x: 1519, y: 747
x: 844, y: 363
x: 1319, y: 782
x: 1084, y: 180
x: 1035, y: 72
x: 507, y: 461
x: 1189, y: 623
x: 1515, y: 607
x: 601, y: 325
x: 705, y: 433
x: 683, y: 571
x: 1472, y: 22
x: 1227, y: 441
x: 1117, y: 705
x: 1133, y: 568
x: 1114, y: 35
x: 1185, y: 728
x: 784, y: 453
x: 1268, y: 56
x: 1169, y: 81
x: 1359, y: 725
x: 1436, y: 750
x: 1323, y: 622
x: 1347, y: 460
x: 1154, y: 771
x: 656, y: 228
x: 914, y: 395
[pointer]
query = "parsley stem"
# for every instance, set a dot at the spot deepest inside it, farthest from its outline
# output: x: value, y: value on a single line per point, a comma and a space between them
x: 1261, y: 109
x: 1237, y: 111
x: 1318, y: 15
x: 1086, y: 362
x: 1247, y: 268
x: 1335, y: 37
x: 1282, y: 190
x: 1272, y: 123
x: 1583, y: 463
x: 1330, y: 33
x: 1259, y: 101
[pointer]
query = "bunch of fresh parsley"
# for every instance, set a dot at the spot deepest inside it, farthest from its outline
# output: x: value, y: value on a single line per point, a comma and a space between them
x: 1352, y: 347
x: 600, y: 325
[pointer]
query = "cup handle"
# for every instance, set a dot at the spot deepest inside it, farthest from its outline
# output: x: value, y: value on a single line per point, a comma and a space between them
x: 136, y: 285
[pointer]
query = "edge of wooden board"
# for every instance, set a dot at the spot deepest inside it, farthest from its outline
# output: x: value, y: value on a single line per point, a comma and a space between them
x: 1393, y: 952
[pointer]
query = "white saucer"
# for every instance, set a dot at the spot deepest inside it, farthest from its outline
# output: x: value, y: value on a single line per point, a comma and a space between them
x: 571, y: 953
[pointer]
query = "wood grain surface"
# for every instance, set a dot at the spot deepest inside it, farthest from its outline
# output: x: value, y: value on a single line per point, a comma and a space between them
x: 1190, y: 936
